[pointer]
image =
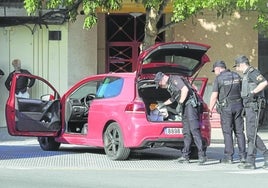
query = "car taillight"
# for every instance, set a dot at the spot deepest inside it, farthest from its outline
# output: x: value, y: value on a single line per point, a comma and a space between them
x: 136, y: 106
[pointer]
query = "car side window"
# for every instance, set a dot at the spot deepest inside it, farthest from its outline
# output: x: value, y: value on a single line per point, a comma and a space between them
x: 88, y: 88
x: 111, y: 87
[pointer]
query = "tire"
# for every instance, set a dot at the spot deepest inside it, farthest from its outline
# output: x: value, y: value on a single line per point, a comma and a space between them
x: 48, y: 143
x: 114, y: 144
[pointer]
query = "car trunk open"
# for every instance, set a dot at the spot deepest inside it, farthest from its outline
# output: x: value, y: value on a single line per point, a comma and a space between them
x: 174, y: 58
x: 151, y: 96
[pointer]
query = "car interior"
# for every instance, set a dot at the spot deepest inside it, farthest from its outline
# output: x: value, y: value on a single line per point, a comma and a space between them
x: 78, y: 104
x: 37, y: 115
x: 151, y: 97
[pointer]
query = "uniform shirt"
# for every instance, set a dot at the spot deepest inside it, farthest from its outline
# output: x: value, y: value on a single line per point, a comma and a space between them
x: 175, y: 84
x: 252, y: 77
x: 22, y: 82
x: 228, y: 85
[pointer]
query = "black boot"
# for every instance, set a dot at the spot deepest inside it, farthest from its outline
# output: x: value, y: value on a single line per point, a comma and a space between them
x: 226, y: 160
x: 249, y: 166
x: 265, y: 165
x: 184, y: 160
x: 202, y: 160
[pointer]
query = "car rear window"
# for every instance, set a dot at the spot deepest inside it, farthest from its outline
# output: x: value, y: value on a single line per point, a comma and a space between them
x: 111, y: 87
x: 182, y: 61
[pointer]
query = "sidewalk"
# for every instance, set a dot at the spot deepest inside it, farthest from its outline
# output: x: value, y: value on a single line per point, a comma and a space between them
x: 4, y: 136
x: 216, y: 135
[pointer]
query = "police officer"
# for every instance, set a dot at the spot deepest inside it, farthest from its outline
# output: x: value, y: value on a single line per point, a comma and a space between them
x: 226, y: 93
x: 182, y: 93
x: 253, y: 85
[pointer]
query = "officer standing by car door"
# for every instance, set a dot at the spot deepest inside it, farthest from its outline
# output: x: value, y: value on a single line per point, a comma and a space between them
x: 182, y: 93
x: 226, y: 95
x: 253, y: 85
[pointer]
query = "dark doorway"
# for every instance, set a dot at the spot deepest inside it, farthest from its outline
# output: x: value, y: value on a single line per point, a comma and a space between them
x: 124, y: 34
x: 263, y: 67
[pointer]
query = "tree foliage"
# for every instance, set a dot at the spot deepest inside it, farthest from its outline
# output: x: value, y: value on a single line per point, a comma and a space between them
x: 88, y: 8
x: 182, y: 9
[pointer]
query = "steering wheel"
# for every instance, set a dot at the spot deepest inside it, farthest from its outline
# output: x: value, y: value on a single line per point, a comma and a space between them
x: 88, y: 99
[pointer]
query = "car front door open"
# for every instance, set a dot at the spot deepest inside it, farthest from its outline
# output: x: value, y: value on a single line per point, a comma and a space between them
x: 38, y: 115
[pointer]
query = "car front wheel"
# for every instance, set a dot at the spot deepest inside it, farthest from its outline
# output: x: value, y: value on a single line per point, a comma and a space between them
x: 48, y: 143
x: 114, y: 144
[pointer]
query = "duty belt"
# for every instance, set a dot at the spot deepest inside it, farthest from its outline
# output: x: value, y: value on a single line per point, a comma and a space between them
x: 250, y: 100
x: 234, y: 100
x: 227, y: 100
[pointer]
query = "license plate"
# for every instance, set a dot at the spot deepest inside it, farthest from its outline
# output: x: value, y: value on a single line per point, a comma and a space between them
x: 172, y: 131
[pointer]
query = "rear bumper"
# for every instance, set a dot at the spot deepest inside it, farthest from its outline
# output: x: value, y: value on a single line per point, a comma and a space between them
x: 143, y: 134
x: 172, y: 143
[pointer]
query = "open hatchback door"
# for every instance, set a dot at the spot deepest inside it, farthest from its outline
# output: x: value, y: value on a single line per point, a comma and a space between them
x: 175, y: 58
x: 38, y: 115
x: 182, y: 58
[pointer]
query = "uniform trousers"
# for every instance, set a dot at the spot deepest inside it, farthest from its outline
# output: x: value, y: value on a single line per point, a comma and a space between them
x: 191, y: 130
x: 251, y: 129
x: 232, y: 122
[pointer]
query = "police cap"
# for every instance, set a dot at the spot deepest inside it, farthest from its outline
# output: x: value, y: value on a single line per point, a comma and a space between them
x: 241, y: 59
x: 219, y: 64
x: 157, y: 78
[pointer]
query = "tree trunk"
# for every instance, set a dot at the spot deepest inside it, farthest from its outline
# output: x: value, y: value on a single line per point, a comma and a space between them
x: 151, y: 30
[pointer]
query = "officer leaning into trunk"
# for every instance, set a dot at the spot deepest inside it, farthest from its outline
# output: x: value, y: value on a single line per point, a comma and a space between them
x: 252, y: 93
x: 226, y: 95
x: 182, y: 93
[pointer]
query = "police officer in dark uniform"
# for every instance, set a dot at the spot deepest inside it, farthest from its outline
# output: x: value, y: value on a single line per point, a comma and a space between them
x: 226, y: 94
x: 182, y: 93
x: 253, y: 85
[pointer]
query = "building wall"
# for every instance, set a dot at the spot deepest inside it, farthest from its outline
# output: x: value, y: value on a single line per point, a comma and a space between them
x: 82, y: 51
x: 101, y: 44
x: 228, y: 37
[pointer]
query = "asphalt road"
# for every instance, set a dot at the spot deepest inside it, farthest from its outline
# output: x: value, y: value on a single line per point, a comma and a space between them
x: 23, y: 164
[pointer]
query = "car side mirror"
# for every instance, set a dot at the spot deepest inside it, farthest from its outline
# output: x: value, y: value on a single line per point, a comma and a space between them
x: 47, y: 97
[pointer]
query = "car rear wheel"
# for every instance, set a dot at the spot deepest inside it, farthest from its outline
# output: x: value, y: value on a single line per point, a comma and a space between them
x: 48, y: 143
x: 114, y: 144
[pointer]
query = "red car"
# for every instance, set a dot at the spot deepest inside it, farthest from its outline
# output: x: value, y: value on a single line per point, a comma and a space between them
x: 114, y: 111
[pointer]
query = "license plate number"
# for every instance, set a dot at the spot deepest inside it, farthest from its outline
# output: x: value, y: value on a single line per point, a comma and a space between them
x: 171, y: 131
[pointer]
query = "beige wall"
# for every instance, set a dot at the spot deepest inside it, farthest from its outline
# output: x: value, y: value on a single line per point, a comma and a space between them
x: 228, y: 37
x: 82, y: 51
x: 101, y: 43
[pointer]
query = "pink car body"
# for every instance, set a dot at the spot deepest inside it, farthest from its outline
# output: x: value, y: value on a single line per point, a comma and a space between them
x: 112, y: 110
